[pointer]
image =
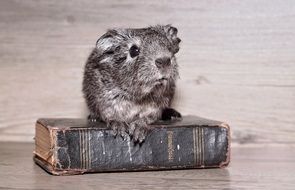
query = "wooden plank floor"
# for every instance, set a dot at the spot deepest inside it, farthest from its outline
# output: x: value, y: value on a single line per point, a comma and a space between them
x: 251, y: 168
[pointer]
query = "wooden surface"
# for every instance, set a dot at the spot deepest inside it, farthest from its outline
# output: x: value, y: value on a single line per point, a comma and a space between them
x: 251, y: 168
x: 237, y: 61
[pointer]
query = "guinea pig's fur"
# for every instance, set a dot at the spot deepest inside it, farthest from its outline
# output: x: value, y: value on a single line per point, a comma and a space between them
x: 129, y: 79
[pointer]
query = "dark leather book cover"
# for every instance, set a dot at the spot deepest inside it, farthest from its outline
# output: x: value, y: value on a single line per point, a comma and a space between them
x: 76, y: 146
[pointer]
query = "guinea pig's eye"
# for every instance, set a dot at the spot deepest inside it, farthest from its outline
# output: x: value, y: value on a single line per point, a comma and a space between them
x: 134, y: 51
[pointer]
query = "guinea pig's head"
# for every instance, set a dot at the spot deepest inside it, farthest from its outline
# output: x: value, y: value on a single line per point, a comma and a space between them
x: 140, y: 60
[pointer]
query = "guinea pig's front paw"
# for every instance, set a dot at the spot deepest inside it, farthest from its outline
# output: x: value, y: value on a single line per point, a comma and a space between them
x: 170, y: 114
x: 118, y: 128
x: 138, y: 130
x: 92, y: 118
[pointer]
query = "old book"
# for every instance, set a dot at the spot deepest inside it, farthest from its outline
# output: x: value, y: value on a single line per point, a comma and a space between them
x: 76, y: 146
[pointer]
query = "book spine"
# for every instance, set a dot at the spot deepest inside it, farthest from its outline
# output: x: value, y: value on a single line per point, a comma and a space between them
x: 94, y: 150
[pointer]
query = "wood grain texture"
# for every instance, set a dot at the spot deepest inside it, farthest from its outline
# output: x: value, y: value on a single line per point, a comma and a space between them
x: 251, y: 168
x: 237, y: 61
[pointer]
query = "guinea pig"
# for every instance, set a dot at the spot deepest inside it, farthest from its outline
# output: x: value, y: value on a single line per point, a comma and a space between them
x: 129, y: 79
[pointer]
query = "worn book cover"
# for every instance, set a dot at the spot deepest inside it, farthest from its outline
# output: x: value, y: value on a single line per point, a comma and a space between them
x: 76, y: 146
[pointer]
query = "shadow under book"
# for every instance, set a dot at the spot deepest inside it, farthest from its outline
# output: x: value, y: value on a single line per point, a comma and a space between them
x: 76, y: 146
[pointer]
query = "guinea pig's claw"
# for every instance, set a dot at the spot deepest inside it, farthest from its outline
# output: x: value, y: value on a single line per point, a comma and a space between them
x: 92, y: 118
x: 118, y: 128
x: 123, y: 133
x: 114, y: 131
x: 135, y: 130
x: 140, y: 134
x: 131, y: 128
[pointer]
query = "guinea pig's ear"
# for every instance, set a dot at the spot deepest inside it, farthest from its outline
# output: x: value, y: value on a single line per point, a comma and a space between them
x: 107, y: 41
x: 171, y: 33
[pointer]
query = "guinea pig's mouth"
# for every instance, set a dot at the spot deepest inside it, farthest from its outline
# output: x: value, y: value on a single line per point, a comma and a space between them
x: 162, y: 81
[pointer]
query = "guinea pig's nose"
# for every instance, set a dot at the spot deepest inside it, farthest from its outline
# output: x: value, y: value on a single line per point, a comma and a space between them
x: 163, y: 62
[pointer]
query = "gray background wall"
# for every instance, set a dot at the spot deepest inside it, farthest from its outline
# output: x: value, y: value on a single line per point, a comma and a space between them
x: 237, y: 61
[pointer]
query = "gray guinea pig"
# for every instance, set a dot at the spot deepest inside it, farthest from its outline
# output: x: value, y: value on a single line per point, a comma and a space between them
x: 129, y: 79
